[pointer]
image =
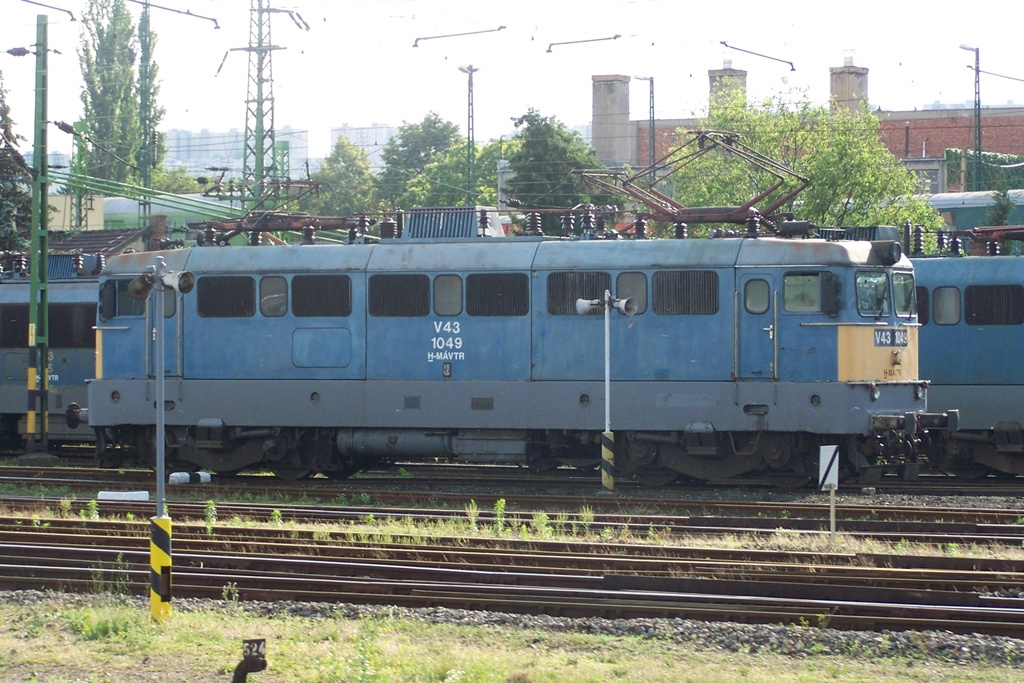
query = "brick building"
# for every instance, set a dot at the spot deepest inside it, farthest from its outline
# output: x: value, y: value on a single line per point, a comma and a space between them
x: 919, y: 137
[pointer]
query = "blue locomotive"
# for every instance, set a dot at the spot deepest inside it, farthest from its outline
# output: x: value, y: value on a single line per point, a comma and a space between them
x: 971, y: 336
x: 71, y: 291
x: 743, y: 354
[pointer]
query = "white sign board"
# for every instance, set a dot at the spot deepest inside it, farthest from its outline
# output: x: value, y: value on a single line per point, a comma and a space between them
x: 828, y: 467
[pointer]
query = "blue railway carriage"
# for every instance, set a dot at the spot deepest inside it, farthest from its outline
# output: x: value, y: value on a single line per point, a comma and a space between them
x: 743, y: 355
x: 71, y: 293
x: 972, y: 333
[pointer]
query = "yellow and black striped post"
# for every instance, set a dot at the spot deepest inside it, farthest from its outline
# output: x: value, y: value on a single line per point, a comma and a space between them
x: 608, y: 460
x: 160, y: 567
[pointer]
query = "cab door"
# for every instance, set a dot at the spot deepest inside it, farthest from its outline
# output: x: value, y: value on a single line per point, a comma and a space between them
x: 757, y: 325
x: 172, y: 332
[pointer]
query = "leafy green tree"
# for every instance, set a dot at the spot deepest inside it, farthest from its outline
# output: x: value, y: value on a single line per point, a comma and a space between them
x: 854, y: 179
x: 410, y: 152
x: 15, y: 184
x: 153, y: 150
x: 110, y: 98
x: 350, y: 185
x: 175, y: 181
x: 544, y: 158
x: 1002, y: 207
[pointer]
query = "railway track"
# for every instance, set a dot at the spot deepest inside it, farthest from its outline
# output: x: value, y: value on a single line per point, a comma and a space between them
x: 563, y: 577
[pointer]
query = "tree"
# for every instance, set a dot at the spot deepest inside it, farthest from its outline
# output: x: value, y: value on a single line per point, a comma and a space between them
x: 351, y: 186
x: 175, y: 181
x: 152, y: 151
x: 408, y: 154
x: 543, y: 159
x: 854, y: 179
x: 110, y: 97
x: 15, y: 184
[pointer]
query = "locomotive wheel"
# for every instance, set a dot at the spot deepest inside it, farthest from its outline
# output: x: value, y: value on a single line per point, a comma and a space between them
x: 655, y: 476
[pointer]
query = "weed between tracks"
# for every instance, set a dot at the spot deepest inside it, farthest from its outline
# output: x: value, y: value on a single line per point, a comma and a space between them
x: 60, y: 639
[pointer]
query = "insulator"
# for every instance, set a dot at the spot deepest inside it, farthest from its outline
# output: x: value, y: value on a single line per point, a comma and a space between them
x: 918, y: 240
x: 388, y: 227
x: 352, y: 235
x: 400, y: 221
x: 534, y: 222
x: 101, y: 262
x: 588, y: 223
x: 20, y: 266
x: 640, y: 228
x: 255, y: 238
x: 993, y: 248
x: 308, y: 235
x: 682, y: 231
x: 940, y: 240
x: 906, y: 237
x: 602, y: 223
x: 484, y: 224
x: 954, y: 247
x: 79, y: 264
x: 363, y: 224
x: 568, y: 224
x: 753, y: 224
x: 211, y: 235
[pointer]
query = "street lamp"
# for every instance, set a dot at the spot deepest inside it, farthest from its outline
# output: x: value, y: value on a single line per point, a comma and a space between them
x: 471, y: 142
x: 158, y: 278
x: 976, y: 176
x: 627, y: 306
x: 650, y: 125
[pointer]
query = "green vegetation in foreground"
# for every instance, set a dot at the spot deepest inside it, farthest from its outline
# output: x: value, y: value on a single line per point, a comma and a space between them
x: 103, y: 639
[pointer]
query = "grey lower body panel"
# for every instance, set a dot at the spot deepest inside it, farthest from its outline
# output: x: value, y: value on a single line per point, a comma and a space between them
x: 825, y: 408
x: 982, y: 407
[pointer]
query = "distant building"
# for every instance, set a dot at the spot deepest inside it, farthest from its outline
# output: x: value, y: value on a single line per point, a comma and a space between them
x: 372, y: 138
x: 199, y: 152
x: 920, y: 137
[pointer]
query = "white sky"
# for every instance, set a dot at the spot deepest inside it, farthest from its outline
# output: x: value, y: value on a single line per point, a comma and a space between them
x: 357, y: 64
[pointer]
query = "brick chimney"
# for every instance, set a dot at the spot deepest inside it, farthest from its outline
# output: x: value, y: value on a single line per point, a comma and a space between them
x: 848, y: 85
x: 726, y: 80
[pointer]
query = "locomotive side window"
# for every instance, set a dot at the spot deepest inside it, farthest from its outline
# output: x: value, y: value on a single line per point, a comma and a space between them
x: 903, y: 294
x: 226, y: 296
x: 498, y: 294
x: 116, y: 301
x: 802, y: 292
x: 632, y: 285
x: 321, y: 296
x: 946, y: 305
x: 565, y: 288
x: 71, y: 326
x: 447, y: 295
x: 994, y: 305
x: 273, y: 296
x: 872, y: 293
x: 399, y: 296
x: 756, y: 296
x: 14, y: 327
x: 922, y: 305
x: 685, y: 292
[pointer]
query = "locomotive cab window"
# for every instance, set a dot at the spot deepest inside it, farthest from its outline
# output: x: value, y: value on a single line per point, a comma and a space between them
x: 756, y: 296
x: 321, y: 296
x: 115, y: 301
x: 447, y: 295
x: 872, y: 288
x: 14, y: 326
x: 802, y: 292
x: 565, y: 288
x: 632, y: 286
x: 904, y: 294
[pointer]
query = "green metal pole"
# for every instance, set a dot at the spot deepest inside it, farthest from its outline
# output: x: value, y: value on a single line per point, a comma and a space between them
x: 38, y: 321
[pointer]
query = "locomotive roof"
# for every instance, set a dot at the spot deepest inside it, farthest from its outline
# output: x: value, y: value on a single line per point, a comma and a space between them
x: 508, y: 254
